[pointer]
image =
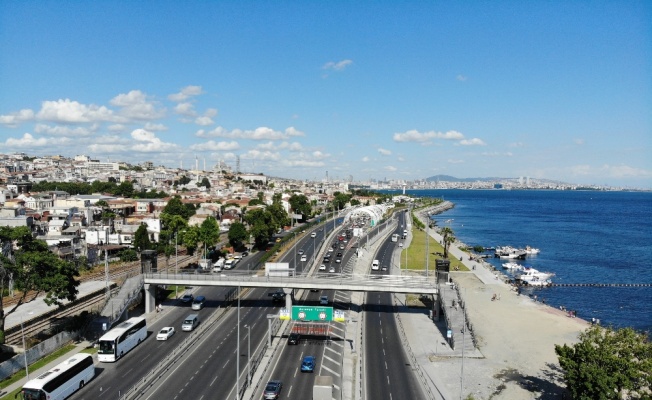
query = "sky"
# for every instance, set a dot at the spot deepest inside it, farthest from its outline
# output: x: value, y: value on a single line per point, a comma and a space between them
x: 396, y: 90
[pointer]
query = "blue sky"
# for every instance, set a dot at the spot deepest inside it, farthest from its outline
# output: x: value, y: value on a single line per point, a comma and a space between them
x: 371, y: 89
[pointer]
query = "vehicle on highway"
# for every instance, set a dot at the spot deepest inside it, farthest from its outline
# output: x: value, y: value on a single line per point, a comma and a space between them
x: 341, y: 247
x: 338, y: 260
x: 327, y: 259
x: 198, y: 303
x: 330, y: 250
x: 187, y: 298
x: 339, y: 254
x: 62, y: 380
x: 294, y: 338
x: 400, y: 244
x: 118, y: 341
x: 304, y: 258
x: 230, y: 263
x: 278, y: 295
x: 190, y: 322
x: 313, y: 235
x: 308, y: 364
x: 300, y: 252
x: 165, y: 333
x: 331, y: 269
x: 384, y: 268
x: 395, y: 237
x: 244, y: 253
x: 322, y: 267
x: 375, y: 264
x: 323, y: 300
x: 272, y: 390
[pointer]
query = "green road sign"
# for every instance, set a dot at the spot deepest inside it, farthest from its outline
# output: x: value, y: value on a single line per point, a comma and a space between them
x: 308, y: 313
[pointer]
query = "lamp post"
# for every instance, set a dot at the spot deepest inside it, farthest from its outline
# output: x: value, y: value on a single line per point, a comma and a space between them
x: 22, y: 333
x: 248, y: 354
x: 237, y: 358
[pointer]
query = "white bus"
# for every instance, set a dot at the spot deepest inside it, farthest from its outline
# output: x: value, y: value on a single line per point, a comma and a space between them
x: 62, y: 380
x: 119, y: 340
x: 395, y: 237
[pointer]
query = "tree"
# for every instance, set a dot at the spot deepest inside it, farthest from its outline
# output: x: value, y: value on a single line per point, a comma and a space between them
x: 608, y: 364
x: 125, y: 189
x: 34, y: 270
x: 261, y: 225
x: 209, y: 232
x: 176, y: 207
x: 205, y: 182
x: 141, y: 239
x: 448, y: 239
x: 237, y: 234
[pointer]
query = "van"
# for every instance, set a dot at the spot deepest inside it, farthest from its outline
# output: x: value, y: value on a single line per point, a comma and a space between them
x: 375, y: 265
x: 198, y: 303
x: 230, y: 263
x: 190, y: 322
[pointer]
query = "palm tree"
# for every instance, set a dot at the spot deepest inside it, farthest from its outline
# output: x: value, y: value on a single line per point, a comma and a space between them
x: 449, y: 238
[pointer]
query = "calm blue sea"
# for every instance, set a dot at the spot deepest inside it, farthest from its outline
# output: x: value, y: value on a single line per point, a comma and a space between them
x: 584, y: 237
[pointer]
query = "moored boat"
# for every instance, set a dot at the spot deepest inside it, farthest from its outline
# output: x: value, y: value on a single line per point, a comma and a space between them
x: 533, y: 277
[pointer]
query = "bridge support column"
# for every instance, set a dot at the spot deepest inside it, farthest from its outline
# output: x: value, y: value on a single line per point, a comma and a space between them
x: 288, y: 298
x: 436, y: 309
x: 150, y: 297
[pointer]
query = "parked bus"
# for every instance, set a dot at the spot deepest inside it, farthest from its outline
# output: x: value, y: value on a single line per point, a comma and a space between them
x: 119, y: 340
x: 62, y: 380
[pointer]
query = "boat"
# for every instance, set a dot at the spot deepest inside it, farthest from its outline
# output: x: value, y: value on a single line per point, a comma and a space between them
x: 512, y: 265
x: 510, y: 252
x: 531, y: 250
x: 533, y: 277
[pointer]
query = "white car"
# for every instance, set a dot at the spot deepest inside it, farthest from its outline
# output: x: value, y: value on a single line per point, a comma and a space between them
x: 304, y: 258
x: 400, y: 244
x: 165, y: 333
x: 322, y: 267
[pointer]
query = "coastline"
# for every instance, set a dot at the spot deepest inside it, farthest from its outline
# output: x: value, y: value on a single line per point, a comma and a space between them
x: 515, y: 336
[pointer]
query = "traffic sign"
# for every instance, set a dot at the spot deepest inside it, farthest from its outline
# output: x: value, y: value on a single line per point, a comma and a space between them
x: 308, y: 313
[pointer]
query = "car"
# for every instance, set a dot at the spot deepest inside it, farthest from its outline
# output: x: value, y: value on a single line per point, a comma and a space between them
x: 338, y: 260
x: 330, y: 250
x: 313, y: 235
x: 331, y: 269
x: 187, y: 298
x: 322, y: 267
x: 327, y: 260
x: 294, y: 338
x: 384, y: 268
x: 308, y: 364
x: 341, y: 247
x: 165, y: 333
x: 244, y: 253
x: 304, y: 258
x: 300, y: 252
x: 400, y: 244
x: 339, y: 254
x: 272, y: 390
x: 278, y: 240
x: 323, y: 300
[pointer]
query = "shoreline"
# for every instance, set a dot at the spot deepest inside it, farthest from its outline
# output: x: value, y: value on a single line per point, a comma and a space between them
x: 515, y: 336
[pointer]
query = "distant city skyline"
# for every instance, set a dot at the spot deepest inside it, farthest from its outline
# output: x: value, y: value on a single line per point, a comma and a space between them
x: 372, y: 91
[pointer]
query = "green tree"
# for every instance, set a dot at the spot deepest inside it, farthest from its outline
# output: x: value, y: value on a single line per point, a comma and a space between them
x: 176, y: 207
x: 261, y: 226
x: 34, y: 269
x: 141, y: 239
x: 607, y: 364
x: 125, y: 189
x: 205, y: 182
x: 237, y: 234
x: 448, y: 239
x: 209, y: 233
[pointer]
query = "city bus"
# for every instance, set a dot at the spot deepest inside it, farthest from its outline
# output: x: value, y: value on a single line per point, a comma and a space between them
x: 119, y: 340
x: 62, y: 380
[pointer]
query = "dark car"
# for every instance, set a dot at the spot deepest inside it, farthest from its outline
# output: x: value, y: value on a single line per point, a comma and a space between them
x: 294, y: 338
x: 244, y: 253
x: 339, y: 254
x: 272, y: 390
x: 308, y: 364
x: 187, y: 298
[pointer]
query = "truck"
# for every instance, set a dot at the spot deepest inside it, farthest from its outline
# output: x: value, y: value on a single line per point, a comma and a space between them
x: 204, y: 263
x: 395, y: 237
x: 322, y: 389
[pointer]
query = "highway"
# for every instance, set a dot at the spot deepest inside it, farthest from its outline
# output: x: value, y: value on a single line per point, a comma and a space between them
x: 387, y: 370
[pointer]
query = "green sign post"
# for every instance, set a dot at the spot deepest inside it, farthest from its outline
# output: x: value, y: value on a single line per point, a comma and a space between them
x: 312, y: 314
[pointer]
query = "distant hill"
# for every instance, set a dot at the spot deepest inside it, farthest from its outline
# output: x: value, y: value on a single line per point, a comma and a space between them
x: 448, y: 178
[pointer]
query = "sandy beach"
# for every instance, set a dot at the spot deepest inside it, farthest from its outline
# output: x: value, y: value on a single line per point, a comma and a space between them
x: 516, y: 337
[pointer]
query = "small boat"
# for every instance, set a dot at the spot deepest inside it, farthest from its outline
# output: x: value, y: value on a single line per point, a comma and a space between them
x: 533, y: 277
x: 531, y: 250
x: 512, y: 265
x: 510, y: 252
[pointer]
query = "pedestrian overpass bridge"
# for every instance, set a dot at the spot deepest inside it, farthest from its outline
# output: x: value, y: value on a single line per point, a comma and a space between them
x: 346, y: 282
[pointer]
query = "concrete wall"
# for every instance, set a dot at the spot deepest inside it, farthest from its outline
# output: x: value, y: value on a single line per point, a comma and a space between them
x: 34, y: 354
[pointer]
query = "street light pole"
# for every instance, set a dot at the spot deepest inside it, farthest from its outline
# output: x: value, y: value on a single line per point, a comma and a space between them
x: 248, y: 354
x: 237, y: 358
x: 24, y: 347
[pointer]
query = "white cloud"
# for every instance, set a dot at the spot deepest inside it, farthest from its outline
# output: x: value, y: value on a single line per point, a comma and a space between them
x: 136, y: 106
x: 303, y: 163
x: 400, y: 158
x: 612, y: 171
x: 185, y: 93
x: 497, y: 154
x: 211, y: 112
x: 147, y: 142
x: 15, y: 118
x: 416, y: 136
x: 472, y: 142
x: 337, y: 66
x: 366, y: 159
x: 455, y: 161
x: 262, y: 155
x: 261, y: 133
x: 215, y: 146
x: 390, y: 168
x: 578, y: 141
x: 384, y: 152
x: 116, y: 128
x: 185, y: 109
x: 68, y: 111
x: 318, y: 155
x: 204, y: 121
x: 461, y: 78
x: 155, y: 127
x: 517, y: 144
x: 65, y: 130
x: 28, y: 140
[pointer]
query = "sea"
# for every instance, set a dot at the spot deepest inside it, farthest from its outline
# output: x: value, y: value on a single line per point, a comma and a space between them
x: 585, y: 237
